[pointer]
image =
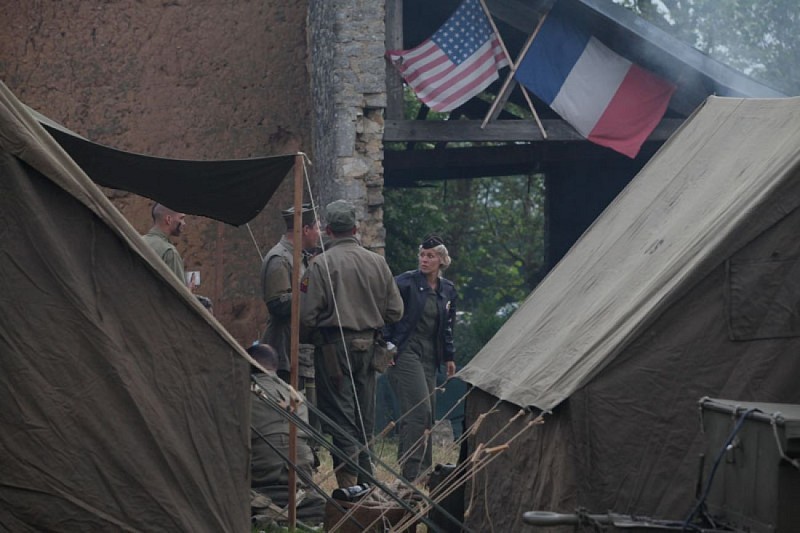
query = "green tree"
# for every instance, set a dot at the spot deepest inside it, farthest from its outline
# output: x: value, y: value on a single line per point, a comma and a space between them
x: 494, y: 230
x: 757, y: 37
x: 493, y: 227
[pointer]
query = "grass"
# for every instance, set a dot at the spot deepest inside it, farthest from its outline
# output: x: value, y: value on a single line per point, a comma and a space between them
x: 386, y: 449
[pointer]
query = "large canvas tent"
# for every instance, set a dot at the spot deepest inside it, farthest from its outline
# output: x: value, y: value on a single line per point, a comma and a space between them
x: 125, y: 404
x: 688, y: 285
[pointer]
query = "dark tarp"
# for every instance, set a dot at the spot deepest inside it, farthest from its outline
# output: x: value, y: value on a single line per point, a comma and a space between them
x: 686, y: 286
x: 232, y: 191
x: 125, y: 404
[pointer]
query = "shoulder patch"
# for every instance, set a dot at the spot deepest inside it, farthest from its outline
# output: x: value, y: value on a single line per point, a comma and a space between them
x: 304, y: 284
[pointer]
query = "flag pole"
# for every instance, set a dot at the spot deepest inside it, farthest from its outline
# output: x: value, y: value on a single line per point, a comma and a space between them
x: 510, y: 62
x: 510, y: 76
x: 294, y: 346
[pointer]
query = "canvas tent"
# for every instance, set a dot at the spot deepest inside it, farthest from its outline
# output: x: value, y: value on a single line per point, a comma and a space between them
x: 688, y: 285
x: 125, y: 404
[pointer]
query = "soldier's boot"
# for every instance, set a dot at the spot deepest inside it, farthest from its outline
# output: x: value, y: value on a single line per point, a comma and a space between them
x: 346, y: 479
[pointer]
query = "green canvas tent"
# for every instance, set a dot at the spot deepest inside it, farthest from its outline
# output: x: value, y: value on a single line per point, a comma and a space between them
x: 125, y: 404
x: 688, y: 285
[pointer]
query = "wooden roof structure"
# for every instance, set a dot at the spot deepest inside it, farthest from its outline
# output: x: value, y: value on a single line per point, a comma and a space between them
x: 511, y: 145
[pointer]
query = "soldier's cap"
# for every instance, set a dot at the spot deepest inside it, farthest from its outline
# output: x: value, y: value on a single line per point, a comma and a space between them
x: 307, y: 214
x: 431, y: 241
x: 341, y: 216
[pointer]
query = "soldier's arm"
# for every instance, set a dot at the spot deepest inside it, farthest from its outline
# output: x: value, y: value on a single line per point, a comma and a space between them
x: 449, y: 348
x: 281, y: 306
x: 394, y: 302
x: 277, y: 290
x: 175, y: 263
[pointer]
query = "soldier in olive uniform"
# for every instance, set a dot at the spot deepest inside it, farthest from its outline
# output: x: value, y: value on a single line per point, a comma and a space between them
x: 344, y: 332
x: 276, y: 286
x: 269, y: 472
x: 166, y: 223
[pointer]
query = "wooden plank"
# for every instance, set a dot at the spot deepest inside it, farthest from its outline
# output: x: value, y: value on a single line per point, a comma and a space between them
x: 395, y: 103
x: 404, y: 168
x: 519, y: 15
x: 409, y: 166
x: 498, y: 131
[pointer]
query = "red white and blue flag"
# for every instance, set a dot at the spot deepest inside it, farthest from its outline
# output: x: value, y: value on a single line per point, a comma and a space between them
x: 459, y: 61
x: 606, y: 98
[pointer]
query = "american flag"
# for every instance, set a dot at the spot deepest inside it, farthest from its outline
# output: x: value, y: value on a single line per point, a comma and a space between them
x: 459, y: 61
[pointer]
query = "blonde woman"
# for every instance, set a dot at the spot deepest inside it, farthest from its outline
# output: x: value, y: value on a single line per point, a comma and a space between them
x: 424, y: 340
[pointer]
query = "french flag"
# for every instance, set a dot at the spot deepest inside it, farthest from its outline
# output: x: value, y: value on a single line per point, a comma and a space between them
x: 606, y: 98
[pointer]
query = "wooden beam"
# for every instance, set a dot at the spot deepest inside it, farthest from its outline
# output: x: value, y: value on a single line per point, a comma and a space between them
x: 395, y: 103
x: 498, y: 131
x: 405, y: 168
x: 521, y: 16
x: 476, y: 108
x: 408, y: 166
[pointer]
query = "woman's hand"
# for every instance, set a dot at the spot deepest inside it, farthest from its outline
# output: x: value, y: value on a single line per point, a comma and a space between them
x: 451, y: 368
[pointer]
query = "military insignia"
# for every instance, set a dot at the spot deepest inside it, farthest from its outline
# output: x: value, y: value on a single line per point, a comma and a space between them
x: 304, y: 285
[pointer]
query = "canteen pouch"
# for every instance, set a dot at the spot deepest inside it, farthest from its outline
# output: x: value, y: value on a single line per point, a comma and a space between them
x: 381, y: 357
x: 360, y: 344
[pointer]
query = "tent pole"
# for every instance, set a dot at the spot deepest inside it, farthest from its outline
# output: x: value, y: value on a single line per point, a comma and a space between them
x: 295, y: 340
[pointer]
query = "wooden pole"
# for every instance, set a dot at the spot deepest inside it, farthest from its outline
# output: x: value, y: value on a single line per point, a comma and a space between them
x: 510, y: 62
x: 294, y: 346
x: 510, y: 76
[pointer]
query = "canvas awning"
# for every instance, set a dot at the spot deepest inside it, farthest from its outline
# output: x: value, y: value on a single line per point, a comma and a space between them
x: 232, y: 191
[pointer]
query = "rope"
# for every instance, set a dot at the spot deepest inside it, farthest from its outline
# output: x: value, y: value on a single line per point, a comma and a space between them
x: 249, y: 229
x: 434, y: 500
x: 320, y: 439
x: 442, y: 491
x: 486, y: 502
x: 479, y: 461
x: 260, y: 255
x: 585, y: 519
x: 773, y: 421
x: 261, y: 394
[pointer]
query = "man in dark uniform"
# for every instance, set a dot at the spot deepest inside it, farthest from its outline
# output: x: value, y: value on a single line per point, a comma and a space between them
x: 276, y: 289
x: 343, y: 320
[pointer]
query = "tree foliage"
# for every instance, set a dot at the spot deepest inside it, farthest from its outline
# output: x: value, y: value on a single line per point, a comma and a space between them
x: 493, y: 228
x: 494, y: 231
x: 757, y: 37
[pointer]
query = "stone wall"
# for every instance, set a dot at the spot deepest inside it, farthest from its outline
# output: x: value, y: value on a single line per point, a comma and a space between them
x: 348, y: 80
x: 199, y: 79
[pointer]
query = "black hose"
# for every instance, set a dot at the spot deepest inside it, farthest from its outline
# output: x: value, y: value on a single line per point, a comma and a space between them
x: 701, y: 502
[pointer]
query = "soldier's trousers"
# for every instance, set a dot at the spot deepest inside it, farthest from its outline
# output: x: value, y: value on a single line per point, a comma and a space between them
x: 413, y: 380
x: 346, y: 394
